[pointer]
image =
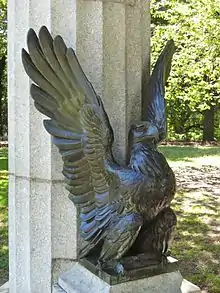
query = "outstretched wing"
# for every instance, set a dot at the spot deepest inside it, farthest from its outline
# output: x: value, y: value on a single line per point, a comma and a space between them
x: 79, y: 126
x: 154, y: 109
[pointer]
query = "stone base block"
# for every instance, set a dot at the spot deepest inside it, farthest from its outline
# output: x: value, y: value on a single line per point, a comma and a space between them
x: 57, y: 289
x: 81, y: 280
x: 188, y: 287
x: 4, y: 288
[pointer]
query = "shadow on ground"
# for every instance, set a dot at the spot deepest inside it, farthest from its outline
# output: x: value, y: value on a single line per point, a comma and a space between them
x: 187, y: 153
x: 197, y: 241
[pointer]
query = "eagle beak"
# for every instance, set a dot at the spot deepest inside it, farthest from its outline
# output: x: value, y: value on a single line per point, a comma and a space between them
x: 153, y: 132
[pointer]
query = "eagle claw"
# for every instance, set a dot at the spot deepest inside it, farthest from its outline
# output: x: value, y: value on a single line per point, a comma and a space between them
x: 119, y: 269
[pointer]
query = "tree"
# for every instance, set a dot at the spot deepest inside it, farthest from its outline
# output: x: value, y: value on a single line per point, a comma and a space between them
x: 193, y: 90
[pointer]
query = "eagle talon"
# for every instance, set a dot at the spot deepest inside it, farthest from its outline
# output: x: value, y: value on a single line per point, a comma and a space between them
x: 168, y: 253
x: 119, y: 268
x: 99, y: 265
x: 164, y: 260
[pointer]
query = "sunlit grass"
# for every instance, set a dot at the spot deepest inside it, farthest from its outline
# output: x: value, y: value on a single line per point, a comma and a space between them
x: 189, y: 155
x: 3, y: 215
x: 197, y: 241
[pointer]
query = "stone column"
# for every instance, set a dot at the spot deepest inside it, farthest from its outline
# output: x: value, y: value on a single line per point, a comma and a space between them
x: 113, y: 46
x: 42, y: 221
x: 112, y: 42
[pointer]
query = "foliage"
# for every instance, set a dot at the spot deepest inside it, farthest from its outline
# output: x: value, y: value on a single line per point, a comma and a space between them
x: 194, y: 83
x: 3, y: 27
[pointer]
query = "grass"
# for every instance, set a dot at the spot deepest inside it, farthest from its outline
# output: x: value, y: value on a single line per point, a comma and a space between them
x: 189, y: 155
x: 3, y: 215
x: 197, y: 241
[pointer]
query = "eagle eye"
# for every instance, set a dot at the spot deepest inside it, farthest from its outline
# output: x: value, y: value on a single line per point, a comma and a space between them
x: 141, y: 128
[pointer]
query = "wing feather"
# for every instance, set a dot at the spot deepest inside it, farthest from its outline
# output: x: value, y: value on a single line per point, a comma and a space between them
x: 79, y: 126
x: 154, y: 102
x: 40, y: 61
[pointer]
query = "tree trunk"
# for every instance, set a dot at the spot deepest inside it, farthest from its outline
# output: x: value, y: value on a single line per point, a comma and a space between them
x: 208, y: 124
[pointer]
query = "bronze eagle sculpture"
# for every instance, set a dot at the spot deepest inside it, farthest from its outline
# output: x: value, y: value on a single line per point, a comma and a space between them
x: 122, y: 209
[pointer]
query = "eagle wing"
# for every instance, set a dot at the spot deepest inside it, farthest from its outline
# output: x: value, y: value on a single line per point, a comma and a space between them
x: 154, y: 108
x: 79, y: 126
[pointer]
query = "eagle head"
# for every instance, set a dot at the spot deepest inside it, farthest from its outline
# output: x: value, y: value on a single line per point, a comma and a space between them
x: 144, y: 131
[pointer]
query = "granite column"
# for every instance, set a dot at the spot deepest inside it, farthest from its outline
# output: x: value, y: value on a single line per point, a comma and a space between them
x: 112, y: 41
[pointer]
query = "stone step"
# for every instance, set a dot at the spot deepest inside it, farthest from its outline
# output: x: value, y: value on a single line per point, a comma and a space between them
x: 4, y: 288
x: 57, y: 289
x: 188, y: 287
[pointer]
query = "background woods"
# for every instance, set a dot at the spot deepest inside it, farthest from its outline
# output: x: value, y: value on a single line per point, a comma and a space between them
x: 194, y: 87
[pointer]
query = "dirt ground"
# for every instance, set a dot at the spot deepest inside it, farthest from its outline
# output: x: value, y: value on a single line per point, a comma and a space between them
x: 197, y: 242
x: 203, y: 178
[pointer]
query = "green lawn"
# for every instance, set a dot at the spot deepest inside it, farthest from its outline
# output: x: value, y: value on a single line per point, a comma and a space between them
x: 3, y: 215
x: 197, y: 204
x: 189, y: 155
x: 197, y: 241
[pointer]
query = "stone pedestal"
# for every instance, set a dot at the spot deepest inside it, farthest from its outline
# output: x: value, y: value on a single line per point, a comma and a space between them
x: 152, y: 279
x: 81, y: 280
x: 4, y: 288
x: 113, y: 47
x: 186, y: 287
x: 42, y: 221
x: 112, y: 40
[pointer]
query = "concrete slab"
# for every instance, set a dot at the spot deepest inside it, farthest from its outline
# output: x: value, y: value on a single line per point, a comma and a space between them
x: 57, y: 289
x: 188, y: 287
x: 5, y: 288
x: 81, y: 280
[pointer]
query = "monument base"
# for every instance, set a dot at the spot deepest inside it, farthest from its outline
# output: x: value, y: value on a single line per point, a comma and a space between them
x: 80, y: 280
x: 5, y: 288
